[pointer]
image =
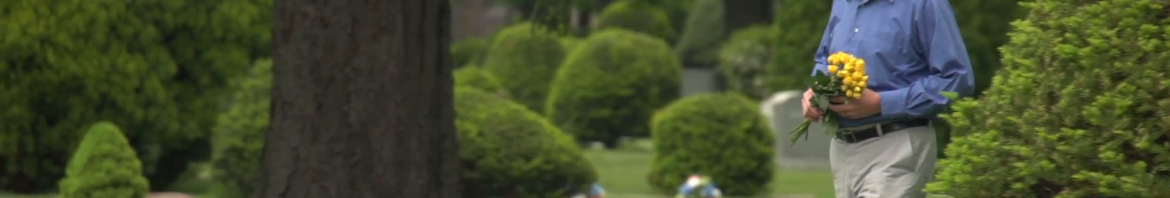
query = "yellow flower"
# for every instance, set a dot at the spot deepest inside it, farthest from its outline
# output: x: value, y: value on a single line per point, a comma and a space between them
x: 842, y: 73
x: 856, y: 89
x: 858, y: 75
x: 848, y: 80
x: 848, y: 67
x: 861, y: 84
x: 832, y: 69
x: 859, y: 63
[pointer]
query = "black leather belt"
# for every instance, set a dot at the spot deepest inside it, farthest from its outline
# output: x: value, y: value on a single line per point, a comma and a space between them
x: 854, y: 136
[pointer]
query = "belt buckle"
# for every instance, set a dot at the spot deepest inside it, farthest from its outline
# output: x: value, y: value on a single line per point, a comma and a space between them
x: 847, y: 135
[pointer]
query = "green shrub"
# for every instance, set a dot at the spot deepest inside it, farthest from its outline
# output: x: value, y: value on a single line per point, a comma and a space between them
x: 524, y: 59
x: 473, y: 77
x: 701, y: 37
x: 159, y: 68
x: 1079, y: 109
x: 799, y: 27
x: 636, y: 16
x: 611, y: 84
x: 238, y: 137
x: 721, y: 135
x: 570, y: 43
x: 510, y: 151
x: 468, y: 51
x: 104, y: 165
x: 744, y: 60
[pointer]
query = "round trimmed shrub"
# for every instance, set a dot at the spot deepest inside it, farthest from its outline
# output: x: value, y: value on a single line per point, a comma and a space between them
x: 744, y: 60
x: 524, y: 59
x: 610, y: 85
x: 104, y: 165
x: 474, y: 77
x: 468, y: 51
x: 510, y: 151
x: 638, y: 16
x: 238, y: 137
x: 721, y: 135
x: 570, y: 43
x: 1080, y: 115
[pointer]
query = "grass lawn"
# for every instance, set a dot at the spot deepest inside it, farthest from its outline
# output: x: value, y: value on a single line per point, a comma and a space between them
x: 623, y: 174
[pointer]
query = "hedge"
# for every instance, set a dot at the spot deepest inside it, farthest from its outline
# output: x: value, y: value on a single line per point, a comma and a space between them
x: 104, y: 165
x: 610, y: 85
x: 524, y: 59
x: 721, y: 135
x: 1079, y: 109
x: 508, y: 150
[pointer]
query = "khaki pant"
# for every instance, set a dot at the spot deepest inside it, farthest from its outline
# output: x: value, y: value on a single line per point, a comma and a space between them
x: 895, y: 165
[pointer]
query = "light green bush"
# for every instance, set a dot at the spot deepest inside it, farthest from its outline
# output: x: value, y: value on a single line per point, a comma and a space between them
x: 473, y: 77
x: 638, y: 16
x: 1079, y: 109
x: 238, y: 138
x: 524, y: 59
x: 611, y: 84
x: 104, y: 165
x: 721, y: 135
x: 508, y: 150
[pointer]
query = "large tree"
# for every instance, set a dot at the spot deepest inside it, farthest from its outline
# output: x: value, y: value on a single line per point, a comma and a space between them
x: 361, y: 101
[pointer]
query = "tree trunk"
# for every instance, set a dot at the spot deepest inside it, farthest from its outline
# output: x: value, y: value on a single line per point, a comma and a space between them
x: 361, y: 101
x: 739, y: 14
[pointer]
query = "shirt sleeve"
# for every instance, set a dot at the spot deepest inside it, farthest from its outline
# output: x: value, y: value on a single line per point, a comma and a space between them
x: 938, y: 39
x: 821, y: 58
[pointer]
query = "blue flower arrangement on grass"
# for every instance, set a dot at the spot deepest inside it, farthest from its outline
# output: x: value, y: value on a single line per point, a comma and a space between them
x: 698, y: 186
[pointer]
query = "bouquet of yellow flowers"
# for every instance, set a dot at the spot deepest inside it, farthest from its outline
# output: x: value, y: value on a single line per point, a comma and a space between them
x: 846, y: 78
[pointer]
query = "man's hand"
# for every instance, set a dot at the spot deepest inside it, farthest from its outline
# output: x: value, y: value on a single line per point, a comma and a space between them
x: 869, y: 104
x: 810, y: 112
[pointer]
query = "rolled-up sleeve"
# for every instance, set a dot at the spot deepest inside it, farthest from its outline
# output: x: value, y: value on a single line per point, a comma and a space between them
x: 946, y: 55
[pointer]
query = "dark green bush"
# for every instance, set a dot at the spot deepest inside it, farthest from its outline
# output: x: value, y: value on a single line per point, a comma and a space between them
x: 473, y: 77
x: 510, y: 151
x: 1078, y: 110
x: 238, y: 137
x: 525, y: 59
x: 104, y: 165
x: 611, y: 84
x: 744, y: 60
x: 469, y: 51
x: 570, y: 43
x: 721, y: 135
x: 638, y: 16
x: 700, y: 39
x: 158, y: 68
x: 799, y: 27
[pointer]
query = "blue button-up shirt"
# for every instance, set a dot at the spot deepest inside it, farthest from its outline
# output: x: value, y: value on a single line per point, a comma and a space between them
x: 912, y: 50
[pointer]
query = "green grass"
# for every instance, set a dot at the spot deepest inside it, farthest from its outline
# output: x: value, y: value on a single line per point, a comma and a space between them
x: 623, y: 171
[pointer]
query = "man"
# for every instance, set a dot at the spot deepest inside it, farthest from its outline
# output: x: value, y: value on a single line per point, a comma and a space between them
x: 913, y: 52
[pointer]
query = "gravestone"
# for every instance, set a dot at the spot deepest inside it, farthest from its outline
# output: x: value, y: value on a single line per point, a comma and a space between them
x: 784, y: 114
x: 698, y: 80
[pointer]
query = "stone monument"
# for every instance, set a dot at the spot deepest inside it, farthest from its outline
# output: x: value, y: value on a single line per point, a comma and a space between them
x: 783, y: 112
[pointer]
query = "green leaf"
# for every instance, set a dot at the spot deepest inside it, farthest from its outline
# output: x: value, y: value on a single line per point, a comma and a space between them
x: 801, y: 130
x: 821, y: 102
x: 820, y: 79
x: 950, y: 95
x: 831, y: 124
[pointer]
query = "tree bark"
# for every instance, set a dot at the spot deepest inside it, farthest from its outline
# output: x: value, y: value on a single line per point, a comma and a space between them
x: 739, y: 14
x: 361, y: 101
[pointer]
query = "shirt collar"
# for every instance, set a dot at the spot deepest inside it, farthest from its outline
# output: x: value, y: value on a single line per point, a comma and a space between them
x: 867, y: 1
